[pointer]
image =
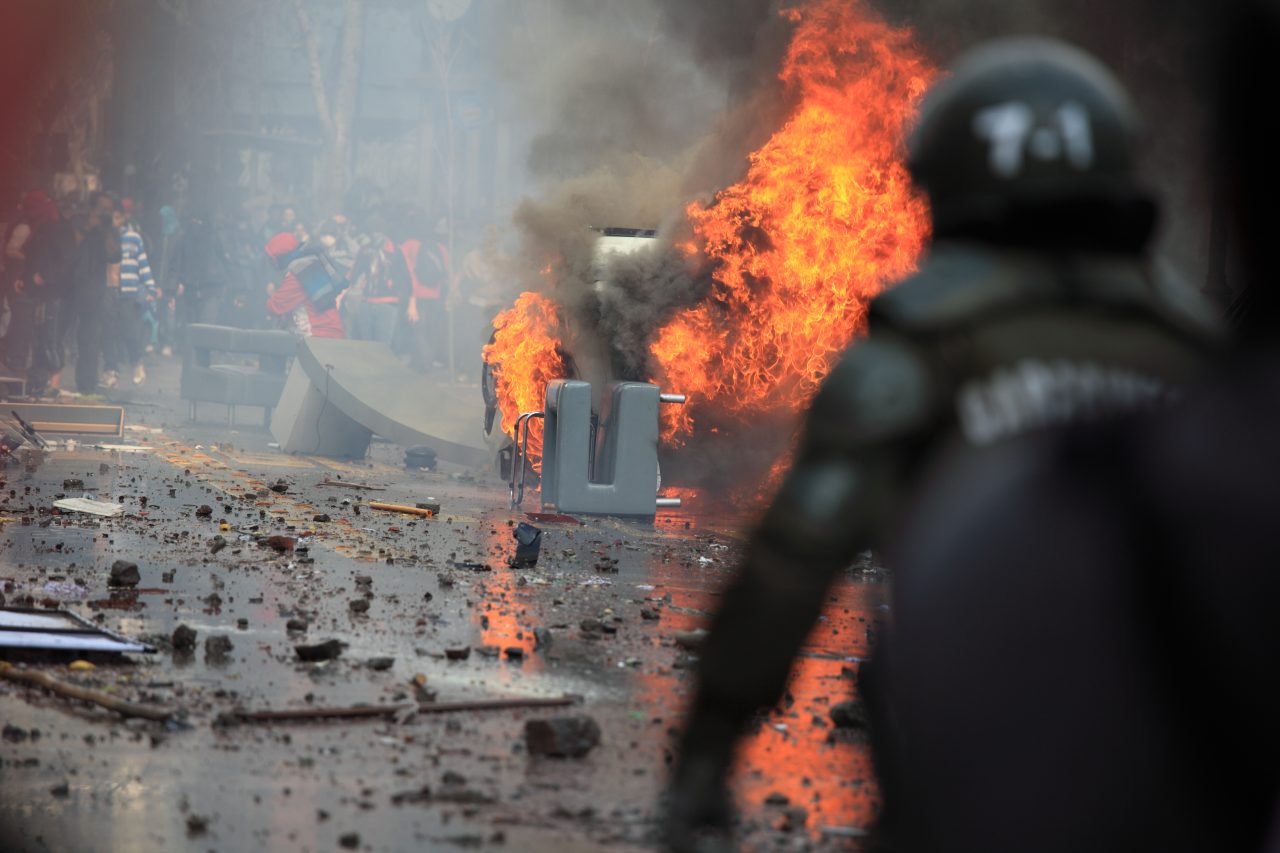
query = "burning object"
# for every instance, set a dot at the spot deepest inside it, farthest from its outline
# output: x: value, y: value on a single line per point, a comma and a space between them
x: 825, y: 218
x: 606, y: 464
x: 783, y: 263
x: 536, y: 341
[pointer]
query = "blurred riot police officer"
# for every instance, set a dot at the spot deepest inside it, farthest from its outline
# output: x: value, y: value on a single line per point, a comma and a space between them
x: 1085, y: 635
x: 1035, y: 309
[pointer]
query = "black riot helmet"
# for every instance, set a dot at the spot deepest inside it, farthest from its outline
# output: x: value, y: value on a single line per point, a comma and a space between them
x: 1031, y: 141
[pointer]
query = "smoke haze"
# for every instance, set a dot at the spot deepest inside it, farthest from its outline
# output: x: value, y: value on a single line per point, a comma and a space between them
x: 637, y: 109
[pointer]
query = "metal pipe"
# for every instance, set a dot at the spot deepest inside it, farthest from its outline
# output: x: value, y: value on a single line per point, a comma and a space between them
x: 517, y: 462
x: 668, y: 503
x: 517, y: 490
x: 678, y: 399
x: 515, y: 459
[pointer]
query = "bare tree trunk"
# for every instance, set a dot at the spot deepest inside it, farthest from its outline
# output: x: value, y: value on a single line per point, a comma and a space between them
x: 90, y: 85
x: 443, y: 52
x: 337, y: 115
x: 312, y: 47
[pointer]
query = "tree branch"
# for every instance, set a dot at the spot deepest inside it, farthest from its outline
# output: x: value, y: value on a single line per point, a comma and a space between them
x: 84, y: 694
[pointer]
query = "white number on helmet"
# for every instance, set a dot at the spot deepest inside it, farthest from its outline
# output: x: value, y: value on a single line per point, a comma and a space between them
x: 1010, y: 130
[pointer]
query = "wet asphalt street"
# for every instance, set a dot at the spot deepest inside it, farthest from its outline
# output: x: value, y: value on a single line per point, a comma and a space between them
x: 615, y: 597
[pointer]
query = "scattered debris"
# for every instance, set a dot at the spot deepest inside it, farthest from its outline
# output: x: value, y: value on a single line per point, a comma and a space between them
x: 184, y: 638
x: 495, y: 705
x: 281, y: 544
x: 341, y: 485
x: 461, y: 653
x: 542, y: 638
x: 528, y: 544
x: 381, y: 664
x: 358, y: 605
x: 84, y: 694
x: 562, y: 737
x: 691, y: 640
x: 29, y: 432
x: 217, y: 544
x: 104, y: 509
x: 197, y: 825
x: 204, y: 511
x: 792, y: 818
x: 419, y: 685
x: 358, y: 711
x: 401, y: 508
x: 24, y: 631
x: 850, y: 715
x: 280, y: 487
x: 552, y: 518
x: 217, y: 648
x: 296, y: 715
x: 124, y: 573
x: 328, y: 650
x: 420, y: 457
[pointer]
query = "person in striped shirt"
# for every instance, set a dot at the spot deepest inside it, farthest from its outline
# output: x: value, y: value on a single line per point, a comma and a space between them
x: 124, y: 336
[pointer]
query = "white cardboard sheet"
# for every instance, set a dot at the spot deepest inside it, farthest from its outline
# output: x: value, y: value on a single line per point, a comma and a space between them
x: 101, y: 508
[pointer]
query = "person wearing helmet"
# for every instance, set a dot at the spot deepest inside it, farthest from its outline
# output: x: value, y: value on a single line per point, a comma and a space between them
x: 1094, y: 617
x: 1035, y: 308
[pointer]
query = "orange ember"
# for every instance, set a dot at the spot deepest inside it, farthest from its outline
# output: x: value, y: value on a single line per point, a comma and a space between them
x: 525, y: 356
x: 825, y: 218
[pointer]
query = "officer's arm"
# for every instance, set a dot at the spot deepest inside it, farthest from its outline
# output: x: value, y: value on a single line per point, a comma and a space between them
x: 859, y: 438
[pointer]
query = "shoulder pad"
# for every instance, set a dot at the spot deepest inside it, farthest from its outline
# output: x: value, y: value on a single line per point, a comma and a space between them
x: 1187, y: 307
x: 1131, y: 284
x: 881, y: 390
x: 956, y: 284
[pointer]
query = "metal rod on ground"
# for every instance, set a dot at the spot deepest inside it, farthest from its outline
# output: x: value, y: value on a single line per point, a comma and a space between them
x: 341, y: 485
x: 493, y: 705
x: 320, y: 713
x: 85, y: 694
x: 401, y: 508
x: 299, y: 714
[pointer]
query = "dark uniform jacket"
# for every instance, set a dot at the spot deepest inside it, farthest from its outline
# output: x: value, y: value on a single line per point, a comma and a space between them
x: 977, y: 348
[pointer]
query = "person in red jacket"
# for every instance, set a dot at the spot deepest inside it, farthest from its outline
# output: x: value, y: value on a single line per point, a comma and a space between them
x: 430, y: 269
x: 290, y: 303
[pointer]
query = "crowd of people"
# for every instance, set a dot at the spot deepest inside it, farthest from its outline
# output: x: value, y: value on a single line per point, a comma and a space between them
x: 88, y: 285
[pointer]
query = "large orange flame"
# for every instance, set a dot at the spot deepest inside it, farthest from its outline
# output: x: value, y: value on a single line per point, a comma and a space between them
x: 526, y: 355
x: 825, y: 218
